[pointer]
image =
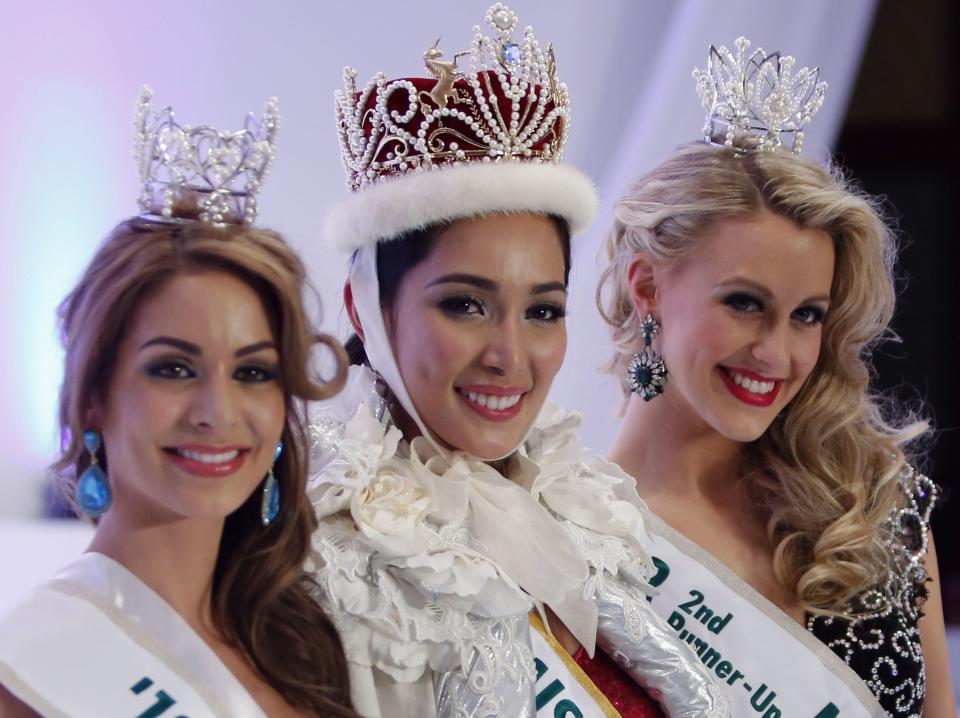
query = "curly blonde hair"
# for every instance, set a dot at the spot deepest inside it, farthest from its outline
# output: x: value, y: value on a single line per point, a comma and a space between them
x: 827, y: 469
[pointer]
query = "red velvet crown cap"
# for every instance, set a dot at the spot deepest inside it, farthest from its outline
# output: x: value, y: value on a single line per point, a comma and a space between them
x: 483, y: 134
x: 450, y: 133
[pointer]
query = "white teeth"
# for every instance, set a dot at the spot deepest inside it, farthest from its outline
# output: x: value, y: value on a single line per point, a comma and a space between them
x: 752, y: 385
x: 209, y: 458
x: 496, y: 403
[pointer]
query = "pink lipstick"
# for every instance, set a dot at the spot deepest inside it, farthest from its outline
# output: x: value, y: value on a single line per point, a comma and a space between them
x: 494, y: 403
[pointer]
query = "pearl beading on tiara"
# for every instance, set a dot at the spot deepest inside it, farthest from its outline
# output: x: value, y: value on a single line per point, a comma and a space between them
x: 507, y: 106
x: 220, y: 172
x: 756, y: 101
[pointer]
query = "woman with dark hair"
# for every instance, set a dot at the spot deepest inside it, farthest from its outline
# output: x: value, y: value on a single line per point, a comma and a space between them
x: 452, y: 499
x: 792, y: 532
x: 187, y: 351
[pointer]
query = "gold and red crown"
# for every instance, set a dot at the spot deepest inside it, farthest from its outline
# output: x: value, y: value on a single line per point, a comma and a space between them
x: 507, y: 104
x: 498, y: 103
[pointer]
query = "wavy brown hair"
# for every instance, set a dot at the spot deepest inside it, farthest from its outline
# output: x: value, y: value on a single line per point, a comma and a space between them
x: 262, y: 599
x: 827, y: 469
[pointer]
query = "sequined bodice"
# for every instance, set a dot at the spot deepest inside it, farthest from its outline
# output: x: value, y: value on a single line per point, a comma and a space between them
x: 881, y: 640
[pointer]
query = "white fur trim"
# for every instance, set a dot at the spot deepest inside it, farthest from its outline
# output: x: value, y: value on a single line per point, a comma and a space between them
x: 415, y: 201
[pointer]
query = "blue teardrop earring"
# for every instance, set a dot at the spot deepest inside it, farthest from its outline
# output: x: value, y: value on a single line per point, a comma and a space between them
x: 92, y: 492
x: 270, y: 504
x: 647, y: 372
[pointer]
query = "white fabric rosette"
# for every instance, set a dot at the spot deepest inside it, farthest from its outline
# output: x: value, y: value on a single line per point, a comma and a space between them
x: 405, y: 579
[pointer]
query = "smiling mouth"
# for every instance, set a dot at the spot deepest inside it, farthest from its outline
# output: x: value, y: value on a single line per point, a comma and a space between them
x: 494, y: 407
x: 208, y: 458
x: 753, y: 390
x: 206, y: 462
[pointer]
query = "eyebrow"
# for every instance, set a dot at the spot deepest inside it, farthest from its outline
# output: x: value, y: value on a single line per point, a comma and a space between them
x: 491, y: 286
x: 766, y: 293
x: 254, y: 348
x: 194, y: 350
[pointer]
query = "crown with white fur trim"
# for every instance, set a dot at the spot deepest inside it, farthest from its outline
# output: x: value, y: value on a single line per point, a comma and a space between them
x: 420, y: 200
x: 464, y: 143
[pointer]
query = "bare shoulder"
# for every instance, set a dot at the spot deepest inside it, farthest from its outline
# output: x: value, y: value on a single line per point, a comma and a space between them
x: 12, y: 707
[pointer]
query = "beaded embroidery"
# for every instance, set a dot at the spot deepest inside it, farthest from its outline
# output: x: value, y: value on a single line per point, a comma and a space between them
x: 880, y: 639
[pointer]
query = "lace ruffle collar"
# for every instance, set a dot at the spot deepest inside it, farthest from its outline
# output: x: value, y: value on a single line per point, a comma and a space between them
x: 416, y: 549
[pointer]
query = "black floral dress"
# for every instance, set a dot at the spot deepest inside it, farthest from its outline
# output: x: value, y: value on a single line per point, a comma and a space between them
x: 880, y: 639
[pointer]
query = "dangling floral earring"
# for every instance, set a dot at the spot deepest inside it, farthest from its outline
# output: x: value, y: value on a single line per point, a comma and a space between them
x: 647, y: 372
x: 92, y: 492
x: 270, y: 505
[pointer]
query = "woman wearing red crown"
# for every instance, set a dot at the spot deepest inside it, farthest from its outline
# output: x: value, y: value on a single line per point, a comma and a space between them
x: 471, y: 553
x: 791, y: 533
x: 187, y: 349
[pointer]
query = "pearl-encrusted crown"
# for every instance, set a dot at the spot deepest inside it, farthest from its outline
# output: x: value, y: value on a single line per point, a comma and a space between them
x: 201, y: 172
x: 506, y: 105
x: 756, y: 101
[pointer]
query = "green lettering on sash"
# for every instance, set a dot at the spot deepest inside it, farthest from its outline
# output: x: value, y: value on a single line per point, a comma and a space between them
x: 141, y: 685
x: 710, y: 657
x: 772, y: 712
x: 755, y: 698
x: 565, y: 708
x: 828, y: 711
x: 703, y: 614
x: 163, y: 702
x: 717, y: 624
x: 548, y: 693
x: 733, y: 679
x: 675, y: 621
x: 687, y: 606
x: 541, y: 667
x: 663, y: 570
x: 723, y: 669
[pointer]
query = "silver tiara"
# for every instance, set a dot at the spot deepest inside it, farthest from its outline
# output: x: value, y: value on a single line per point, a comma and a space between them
x: 201, y: 172
x: 756, y: 101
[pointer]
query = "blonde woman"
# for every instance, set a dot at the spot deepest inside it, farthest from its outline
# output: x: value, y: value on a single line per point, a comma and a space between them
x: 745, y: 289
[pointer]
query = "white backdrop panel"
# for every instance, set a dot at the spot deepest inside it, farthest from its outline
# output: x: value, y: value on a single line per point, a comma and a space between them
x: 71, y: 71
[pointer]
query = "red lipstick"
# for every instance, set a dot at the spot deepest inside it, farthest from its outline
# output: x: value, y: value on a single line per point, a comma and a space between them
x: 745, y: 395
x: 209, y: 461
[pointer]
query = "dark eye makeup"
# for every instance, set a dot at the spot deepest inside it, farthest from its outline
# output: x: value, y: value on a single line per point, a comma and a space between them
x: 548, y: 312
x: 170, y: 369
x: 747, y: 303
x: 466, y: 305
x: 809, y: 314
x: 743, y: 302
x: 255, y: 373
x: 461, y: 305
x: 178, y: 369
